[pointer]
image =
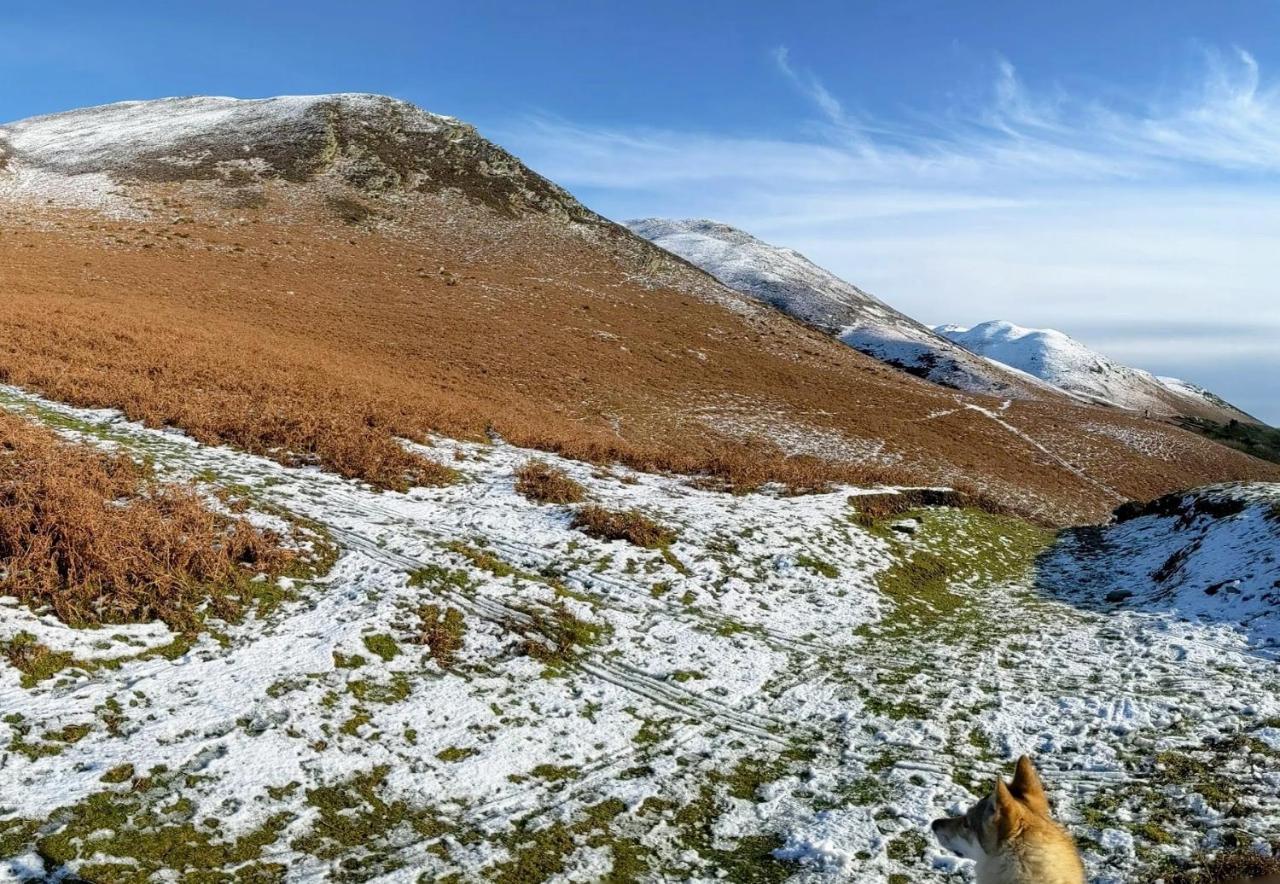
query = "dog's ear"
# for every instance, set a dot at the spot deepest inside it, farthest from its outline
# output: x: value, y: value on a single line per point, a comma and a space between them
x: 1028, y: 789
x: 1005, y: 810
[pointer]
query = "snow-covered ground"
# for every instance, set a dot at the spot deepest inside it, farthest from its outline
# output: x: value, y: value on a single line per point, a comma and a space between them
x: 787, y: 690
x: 1212, y: 556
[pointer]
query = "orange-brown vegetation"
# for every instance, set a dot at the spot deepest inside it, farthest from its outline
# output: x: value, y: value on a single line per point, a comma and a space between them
x: 97, y: 539
x: 543, y: 483
x: 632, y: 526
x: 278, y: 328
x: 873, y: 508
x: 442, y: 631
x: 1230, y: 867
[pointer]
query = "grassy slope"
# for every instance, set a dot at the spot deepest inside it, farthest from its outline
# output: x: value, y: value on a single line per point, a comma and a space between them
x: 1255, y: 439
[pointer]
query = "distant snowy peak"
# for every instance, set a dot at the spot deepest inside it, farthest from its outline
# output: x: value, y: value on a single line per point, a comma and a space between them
x: 779, y: 276
x: 1044, y: 352
x: 1059, y: 359
x: 371, y: 142
x: 786, y: 280
x: 1200, y: 394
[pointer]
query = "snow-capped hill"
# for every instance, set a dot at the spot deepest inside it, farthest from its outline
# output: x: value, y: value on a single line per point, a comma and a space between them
x: 1066, y: 363
x: 1054, y: 357
x: 150, y: 137
x: 1197, y: 393
x: 1207, y: 555
x: 436, y: 275
x: 792, y: 283
x: 371, y: 142
x: 780, y: 276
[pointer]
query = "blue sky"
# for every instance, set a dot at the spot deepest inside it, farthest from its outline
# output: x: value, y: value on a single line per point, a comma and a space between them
x: 1112, y: 170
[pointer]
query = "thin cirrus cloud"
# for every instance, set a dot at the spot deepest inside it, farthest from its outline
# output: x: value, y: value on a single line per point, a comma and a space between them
x: 811, y: 86
x: 1046, y: 208
x: 1228, y: 122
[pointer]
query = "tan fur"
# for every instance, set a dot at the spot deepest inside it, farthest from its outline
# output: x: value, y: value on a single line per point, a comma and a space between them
x: 1011, y: 835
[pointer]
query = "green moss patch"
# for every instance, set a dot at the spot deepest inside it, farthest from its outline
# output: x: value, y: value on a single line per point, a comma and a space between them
x: 146, y: 830
x: 954, y: 548
x: 358, y: 822
x: 750, y: 858
x: 395, y: 690
x: 818, y: 566
x: 907, y: 847
x: 34, y: 660
x: 382, y: 645
x: 539, y: 854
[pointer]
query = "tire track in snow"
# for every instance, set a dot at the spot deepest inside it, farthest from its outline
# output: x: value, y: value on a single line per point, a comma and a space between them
x: 623, y: 676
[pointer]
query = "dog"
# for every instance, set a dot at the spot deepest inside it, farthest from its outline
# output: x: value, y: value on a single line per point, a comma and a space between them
x: 1011, y: 835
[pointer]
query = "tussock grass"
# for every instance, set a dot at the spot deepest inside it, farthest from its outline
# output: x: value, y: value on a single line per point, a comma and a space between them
x: 553, y: 636
x: 542, y: 483
x: 442, y: 631
x: 632, y: 526
x: 872, y: 509
x: 1231, y: 867
x: 96, y: 538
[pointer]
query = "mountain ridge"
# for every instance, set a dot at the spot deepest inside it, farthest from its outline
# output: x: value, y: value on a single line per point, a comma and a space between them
x: 790, y: 282
x: 374, y: 142
x: 982, y: 360
x: 324, y: 306
x: 1061, y: 360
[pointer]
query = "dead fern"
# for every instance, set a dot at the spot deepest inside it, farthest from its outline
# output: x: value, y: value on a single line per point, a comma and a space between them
x: 96, y: 538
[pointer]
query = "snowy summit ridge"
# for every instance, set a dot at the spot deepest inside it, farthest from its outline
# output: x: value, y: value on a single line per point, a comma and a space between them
x: 1066, y: 363
x: 370, y: 142
x: 789, y: 281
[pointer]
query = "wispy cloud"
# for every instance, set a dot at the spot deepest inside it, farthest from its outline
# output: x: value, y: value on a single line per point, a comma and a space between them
x: 1228, y: 122
x: 1037, y: 205
x: 810, y: 86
